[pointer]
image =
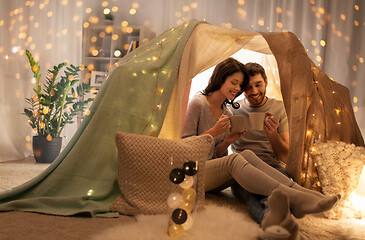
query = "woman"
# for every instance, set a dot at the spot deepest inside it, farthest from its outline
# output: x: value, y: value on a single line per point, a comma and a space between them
x: 207, y: 114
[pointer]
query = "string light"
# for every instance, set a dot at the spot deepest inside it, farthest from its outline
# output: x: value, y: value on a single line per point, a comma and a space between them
x: 309, y: 132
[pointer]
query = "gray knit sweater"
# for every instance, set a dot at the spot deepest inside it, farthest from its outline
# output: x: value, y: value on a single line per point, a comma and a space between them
x: 199, y: 119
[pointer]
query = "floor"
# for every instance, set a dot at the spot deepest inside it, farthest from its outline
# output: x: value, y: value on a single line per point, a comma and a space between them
x: 311, y: 226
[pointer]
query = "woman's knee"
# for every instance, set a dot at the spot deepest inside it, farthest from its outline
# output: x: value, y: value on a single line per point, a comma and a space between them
x: 251, y: 157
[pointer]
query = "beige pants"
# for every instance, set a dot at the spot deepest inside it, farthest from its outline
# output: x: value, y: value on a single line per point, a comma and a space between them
x: 247, y: 169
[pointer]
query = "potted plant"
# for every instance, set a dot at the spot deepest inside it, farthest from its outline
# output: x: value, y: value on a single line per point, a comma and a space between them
x: 53, y: 107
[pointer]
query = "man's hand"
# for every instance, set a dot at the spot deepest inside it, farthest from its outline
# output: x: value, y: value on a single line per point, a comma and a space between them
x: 271, y: 125
x: 279, y: 141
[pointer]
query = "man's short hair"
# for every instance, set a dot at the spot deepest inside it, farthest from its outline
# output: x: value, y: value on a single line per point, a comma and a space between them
x: 254, y: 69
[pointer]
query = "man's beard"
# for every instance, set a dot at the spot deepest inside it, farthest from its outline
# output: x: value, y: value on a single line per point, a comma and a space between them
x: 255, y: 104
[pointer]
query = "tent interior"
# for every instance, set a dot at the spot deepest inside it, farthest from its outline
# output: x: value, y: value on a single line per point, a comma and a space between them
x: 158, y: 108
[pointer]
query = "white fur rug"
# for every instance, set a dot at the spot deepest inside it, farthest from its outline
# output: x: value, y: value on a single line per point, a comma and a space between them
x: 213, y: 223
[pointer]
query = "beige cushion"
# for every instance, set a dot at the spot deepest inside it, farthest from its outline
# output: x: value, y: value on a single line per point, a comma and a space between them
x: 144, y: 167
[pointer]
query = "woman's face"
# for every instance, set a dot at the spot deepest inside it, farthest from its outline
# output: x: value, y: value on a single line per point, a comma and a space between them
x: 232, y: 85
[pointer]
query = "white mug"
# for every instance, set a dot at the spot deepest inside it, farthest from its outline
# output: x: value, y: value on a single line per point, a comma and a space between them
x: 257, y: 120
x: 237, y: 123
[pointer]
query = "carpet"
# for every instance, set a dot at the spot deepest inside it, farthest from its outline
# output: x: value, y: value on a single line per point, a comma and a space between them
x: 213, y: 223
x: 223, y: 217
x: 14, y: 174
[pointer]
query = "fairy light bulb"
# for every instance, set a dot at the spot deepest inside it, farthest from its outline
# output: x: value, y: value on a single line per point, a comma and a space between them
x: 117, y: 53
x: 87, y: 112
x: 189, y: 195
x: 90, y: 192
x: 132, y: 11
x: 106, y: 11
x: 174, y: 200
x: 188, y: 223
x: 175, y: 231
x: 187, y: 183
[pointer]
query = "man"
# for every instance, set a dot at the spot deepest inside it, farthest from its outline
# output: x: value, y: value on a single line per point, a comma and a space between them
x: 271, y: 144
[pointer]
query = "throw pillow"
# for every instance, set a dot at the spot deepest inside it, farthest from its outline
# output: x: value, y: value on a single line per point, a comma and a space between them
x: 144, y: 164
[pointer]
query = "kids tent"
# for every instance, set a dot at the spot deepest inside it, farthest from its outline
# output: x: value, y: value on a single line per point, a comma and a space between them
x: 147, y: 93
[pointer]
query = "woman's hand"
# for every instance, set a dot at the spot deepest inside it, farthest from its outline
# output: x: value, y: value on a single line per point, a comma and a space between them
x: 232, y: 137
x: 223, y: 124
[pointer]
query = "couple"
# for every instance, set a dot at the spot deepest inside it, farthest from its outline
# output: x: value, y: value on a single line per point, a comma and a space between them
x: 250, y: 177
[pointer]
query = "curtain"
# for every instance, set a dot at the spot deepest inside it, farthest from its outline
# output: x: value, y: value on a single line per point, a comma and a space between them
x: 52, y: 32
x: 330, y: 30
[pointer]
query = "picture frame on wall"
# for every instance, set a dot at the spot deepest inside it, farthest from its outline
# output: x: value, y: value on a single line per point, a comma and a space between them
x: 97, y: 78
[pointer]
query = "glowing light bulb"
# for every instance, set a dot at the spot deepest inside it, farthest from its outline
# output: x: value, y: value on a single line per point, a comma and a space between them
x: 132, y: 11
x: 174, y: 200
x: 188, y: 224
x: 124, y: 23
x: 106, y: 11
x: 87, y: 112
x: 90, y: 192
x: 117, y: 53
x: 45, y: 110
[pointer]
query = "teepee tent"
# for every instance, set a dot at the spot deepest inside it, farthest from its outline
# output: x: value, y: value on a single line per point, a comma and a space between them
x: 147, y: 93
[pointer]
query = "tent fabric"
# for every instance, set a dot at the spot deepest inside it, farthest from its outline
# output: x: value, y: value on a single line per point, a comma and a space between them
x: 305, y: 89
x: 134, y: 99
x: 318, y: 108
x: 147, y: 93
